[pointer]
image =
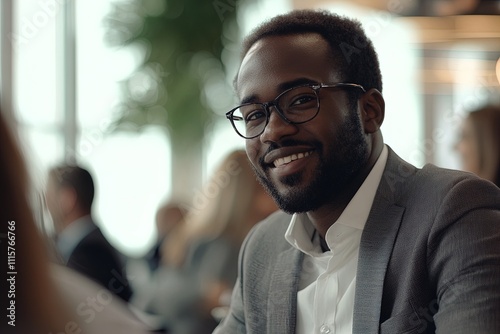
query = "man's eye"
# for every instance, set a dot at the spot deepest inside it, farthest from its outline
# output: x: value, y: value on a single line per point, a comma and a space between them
x: 303, y: 99
x: 255, y: 115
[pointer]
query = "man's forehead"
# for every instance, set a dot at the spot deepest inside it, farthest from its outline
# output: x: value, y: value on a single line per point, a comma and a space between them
x: 276, y: 59
x: 282, y: 43
x: 256, y: 47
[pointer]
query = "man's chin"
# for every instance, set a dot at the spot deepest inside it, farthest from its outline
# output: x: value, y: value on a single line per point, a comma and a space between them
x: 293, y: 199
x: 293, y: 205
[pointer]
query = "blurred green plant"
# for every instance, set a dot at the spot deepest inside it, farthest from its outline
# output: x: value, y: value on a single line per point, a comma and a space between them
x: 182, y: 44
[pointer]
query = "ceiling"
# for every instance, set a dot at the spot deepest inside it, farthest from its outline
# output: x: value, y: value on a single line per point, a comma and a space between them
x: 420, y: 7
x: 454, y: 35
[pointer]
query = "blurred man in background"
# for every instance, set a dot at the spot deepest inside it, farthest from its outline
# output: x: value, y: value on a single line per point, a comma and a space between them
x: 80, y: 243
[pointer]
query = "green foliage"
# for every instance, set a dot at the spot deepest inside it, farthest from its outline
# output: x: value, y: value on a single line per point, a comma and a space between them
x: 181, y: 42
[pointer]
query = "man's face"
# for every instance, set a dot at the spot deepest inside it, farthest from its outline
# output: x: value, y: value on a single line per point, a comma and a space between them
x: 325, y: 152
x: 52, y: 195
x: 61, y: 201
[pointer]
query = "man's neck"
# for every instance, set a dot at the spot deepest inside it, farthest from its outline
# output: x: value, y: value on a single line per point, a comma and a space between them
x: 324, y: 217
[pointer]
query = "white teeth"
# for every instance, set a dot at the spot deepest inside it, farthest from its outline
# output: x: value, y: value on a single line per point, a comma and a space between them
x: 290, y: 158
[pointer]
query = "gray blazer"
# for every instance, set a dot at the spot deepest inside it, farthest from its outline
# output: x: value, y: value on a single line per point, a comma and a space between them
x: 429, y: 261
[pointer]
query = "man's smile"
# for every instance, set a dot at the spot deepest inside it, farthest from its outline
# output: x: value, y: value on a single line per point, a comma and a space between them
x: 286, y: 160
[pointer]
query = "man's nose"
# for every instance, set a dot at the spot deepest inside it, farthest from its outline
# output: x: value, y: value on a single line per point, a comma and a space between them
x: 277, y: 127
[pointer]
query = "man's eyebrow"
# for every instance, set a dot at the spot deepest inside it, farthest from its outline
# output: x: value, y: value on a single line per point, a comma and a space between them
x: 297, y: 82
x: 281, y: 88
x: 250, y: 99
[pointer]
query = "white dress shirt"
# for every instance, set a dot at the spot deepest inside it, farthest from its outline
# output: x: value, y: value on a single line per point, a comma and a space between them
x: 325, y: 300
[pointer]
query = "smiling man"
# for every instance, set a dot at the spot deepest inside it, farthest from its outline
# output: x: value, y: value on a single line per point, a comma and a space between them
x: 367, y: 243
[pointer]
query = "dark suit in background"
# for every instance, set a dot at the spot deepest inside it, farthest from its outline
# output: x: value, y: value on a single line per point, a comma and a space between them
x: 96, y: 258
x: 81, y: 244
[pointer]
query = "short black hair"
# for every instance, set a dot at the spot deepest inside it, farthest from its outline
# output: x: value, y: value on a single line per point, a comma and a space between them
x: 77, y: 178
x: 348, y: 42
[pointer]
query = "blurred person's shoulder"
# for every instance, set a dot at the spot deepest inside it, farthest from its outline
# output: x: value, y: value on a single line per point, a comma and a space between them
x: 96, y: 309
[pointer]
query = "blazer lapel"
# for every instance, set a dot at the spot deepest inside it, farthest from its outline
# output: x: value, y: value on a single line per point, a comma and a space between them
x: 376, y: 245
x: 282, y: 299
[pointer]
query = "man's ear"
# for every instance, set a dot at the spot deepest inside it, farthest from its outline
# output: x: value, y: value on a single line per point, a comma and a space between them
x: 372, y: 109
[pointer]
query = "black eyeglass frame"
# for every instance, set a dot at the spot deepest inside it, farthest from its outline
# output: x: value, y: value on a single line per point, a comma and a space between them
x: 266, y: 106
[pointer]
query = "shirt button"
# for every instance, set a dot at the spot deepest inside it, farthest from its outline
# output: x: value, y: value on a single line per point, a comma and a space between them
x: 325, y: 329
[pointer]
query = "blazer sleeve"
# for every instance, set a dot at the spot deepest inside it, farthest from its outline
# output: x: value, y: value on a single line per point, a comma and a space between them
x: 464, y: 260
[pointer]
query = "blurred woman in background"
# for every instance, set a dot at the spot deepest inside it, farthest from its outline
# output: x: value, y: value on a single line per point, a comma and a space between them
x: 200, y: 257
x: 479, y: 143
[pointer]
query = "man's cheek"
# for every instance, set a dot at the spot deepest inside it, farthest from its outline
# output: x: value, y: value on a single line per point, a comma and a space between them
x: 252, y: 153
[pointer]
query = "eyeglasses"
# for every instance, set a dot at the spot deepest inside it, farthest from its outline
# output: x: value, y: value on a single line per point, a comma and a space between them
x: 296, y: 105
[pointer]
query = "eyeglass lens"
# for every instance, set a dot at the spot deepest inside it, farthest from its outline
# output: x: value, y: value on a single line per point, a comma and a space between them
x: 297, y: 105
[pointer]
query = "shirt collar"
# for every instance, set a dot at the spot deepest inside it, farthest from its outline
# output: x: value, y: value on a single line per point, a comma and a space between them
x: 71, y: 236
x: 300, y: 230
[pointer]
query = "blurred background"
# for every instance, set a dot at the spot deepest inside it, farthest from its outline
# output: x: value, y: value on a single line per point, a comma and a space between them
x: 136, y: 90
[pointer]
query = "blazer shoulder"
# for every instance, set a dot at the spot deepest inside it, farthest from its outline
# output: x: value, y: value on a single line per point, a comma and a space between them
x: 401, y: 179
x: 444, y: 175
x: 455, y: 181
x: 431, y: 189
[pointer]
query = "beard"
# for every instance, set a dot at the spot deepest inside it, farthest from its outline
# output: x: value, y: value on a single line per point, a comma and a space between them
x: 345, y: 157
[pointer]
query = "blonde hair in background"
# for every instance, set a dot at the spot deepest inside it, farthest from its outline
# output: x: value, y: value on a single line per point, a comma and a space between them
x: 229, y: 204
